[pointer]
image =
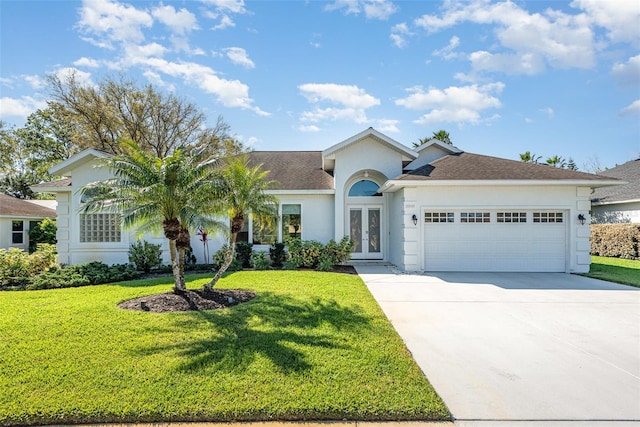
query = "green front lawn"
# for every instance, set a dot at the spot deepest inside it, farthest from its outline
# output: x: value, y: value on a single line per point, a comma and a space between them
x: 625, y: 271
x: 310, y: 346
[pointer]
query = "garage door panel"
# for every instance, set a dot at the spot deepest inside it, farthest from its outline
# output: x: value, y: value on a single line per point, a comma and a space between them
x: 529, y: 246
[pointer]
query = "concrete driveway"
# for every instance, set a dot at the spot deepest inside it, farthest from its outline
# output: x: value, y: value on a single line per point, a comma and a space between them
x: 519, y: 346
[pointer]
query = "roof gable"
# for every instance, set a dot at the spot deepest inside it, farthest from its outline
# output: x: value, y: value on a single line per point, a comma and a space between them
x: 430, y: 151
x: 329, y: 154
x: 77, y: 160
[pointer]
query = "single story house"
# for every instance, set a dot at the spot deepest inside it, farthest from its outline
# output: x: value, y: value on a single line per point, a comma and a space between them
x: 18, y: 216
x: 620, y: 203
x: 433, y: 208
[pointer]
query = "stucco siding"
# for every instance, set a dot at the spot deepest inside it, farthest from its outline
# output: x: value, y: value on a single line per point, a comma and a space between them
x: 617, y: 213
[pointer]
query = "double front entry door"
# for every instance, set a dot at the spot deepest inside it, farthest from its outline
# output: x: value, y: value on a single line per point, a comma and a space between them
x: 365, y: 232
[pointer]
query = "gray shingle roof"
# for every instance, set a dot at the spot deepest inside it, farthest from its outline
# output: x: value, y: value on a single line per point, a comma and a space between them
x: 294, y: 170
x: 12, y: 207
x: 469, y: 166
x: 64, y: 182
x: 629, y: 172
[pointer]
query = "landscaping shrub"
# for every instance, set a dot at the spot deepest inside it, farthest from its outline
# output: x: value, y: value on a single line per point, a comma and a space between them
x: 93, y: 273
x: 145, y: 256
x: 18, y: 267
x: 615, y: 240
x: 277, y: 255
x: 243, y: 253
x: 220, y: 256
x: 43, y: 232
x: 261, y: 260
x: 311, y: 254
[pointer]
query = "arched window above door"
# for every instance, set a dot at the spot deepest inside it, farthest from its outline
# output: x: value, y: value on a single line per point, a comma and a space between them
x: 364, y: 188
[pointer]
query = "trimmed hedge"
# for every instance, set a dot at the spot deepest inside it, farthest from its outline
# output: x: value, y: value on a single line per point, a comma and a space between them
x: 616, y: 240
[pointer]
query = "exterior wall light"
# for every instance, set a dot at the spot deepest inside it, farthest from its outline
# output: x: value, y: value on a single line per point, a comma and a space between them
x: 581, y: 218
x: 415, y: 219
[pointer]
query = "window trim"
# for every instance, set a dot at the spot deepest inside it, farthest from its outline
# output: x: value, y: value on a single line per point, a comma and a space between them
x: 511, y: 217
x: 20, y: 233
x: 474, y: 217
x: 438, y: 217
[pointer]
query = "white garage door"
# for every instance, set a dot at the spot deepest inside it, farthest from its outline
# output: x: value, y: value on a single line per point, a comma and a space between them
x: 534, y: 241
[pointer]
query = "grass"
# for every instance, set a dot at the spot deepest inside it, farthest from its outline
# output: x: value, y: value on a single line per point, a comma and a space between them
x: 625, y: 271
x: 310, y: 346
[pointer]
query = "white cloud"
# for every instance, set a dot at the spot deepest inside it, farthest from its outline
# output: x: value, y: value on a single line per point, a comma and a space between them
x: 231, y: 93
x: 447, y: 52
x: 35, y: 81
x: 555, y: 38
x: 526, y: 63
x: 82, y: 77
x: 20, y: 107
x: 134, y: 54
x: 86, y: 62
x: 239, y: 56
x: 372, y: 9
x: 225, y: 22
x: 548, y: 111
x: 398, y: 35
x: 233, y: 6
x: 462, y: 104
x: 155, y: 79
x: 620, y: 18
x: 180, y: 22
x: 628, y: 73
x: 347, y: 95
x: 351, y: 102
x: 632, y: 109
x: 387, y: 125
x: 309, y: 128
x: 113, y: 21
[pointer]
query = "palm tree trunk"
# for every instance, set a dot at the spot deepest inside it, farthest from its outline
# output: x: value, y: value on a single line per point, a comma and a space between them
x: 181, y: 253
x: 177, y: 284
x: 227, y: 262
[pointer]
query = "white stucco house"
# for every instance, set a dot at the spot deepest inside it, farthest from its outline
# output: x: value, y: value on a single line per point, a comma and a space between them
x: 621, y: 203
x: 434, y: 208
x: 18, y: 216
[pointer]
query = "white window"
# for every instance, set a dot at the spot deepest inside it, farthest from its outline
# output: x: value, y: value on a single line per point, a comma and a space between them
x: 17, y: 232
x: 291, y: 221
x: 438, y: 217
x: 101, y: 227
x: 512, y: 217
x: 547, y: 217
x: 475, y: 217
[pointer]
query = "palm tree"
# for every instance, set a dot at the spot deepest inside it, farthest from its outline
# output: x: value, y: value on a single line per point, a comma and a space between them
x: 244, y: 193
x: 556, y: 161
x: 527, y: 157
x: 442, y: 136
x: 172, y: 194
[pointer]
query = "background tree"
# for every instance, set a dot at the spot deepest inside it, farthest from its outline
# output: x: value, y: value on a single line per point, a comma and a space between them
x: 243, y: 193
x: 173, y: 194
x: 27, y: 153
x: 43, y: 232
x: 117, y: 109
x: 441, y: 135
x: 528, y: 157
x: 556, y: 161
x: 571, y: 165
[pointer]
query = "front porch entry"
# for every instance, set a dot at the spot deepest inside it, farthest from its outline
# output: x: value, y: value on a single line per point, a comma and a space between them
x: 365, y: 230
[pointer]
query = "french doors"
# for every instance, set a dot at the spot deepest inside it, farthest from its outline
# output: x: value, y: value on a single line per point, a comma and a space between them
x: 365, y: 230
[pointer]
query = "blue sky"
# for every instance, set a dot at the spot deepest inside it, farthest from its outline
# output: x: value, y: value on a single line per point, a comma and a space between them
x: 551, y: 77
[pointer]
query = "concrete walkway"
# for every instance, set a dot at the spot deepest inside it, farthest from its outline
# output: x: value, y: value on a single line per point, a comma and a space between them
x: 516, y: 349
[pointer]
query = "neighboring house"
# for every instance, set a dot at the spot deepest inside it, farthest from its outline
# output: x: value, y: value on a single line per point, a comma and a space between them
x: 433, y: 209
x: 18, y: 216
x: 622, y: 202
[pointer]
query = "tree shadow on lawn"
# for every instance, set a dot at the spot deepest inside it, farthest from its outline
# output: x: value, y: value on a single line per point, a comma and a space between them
x: 270, y: 325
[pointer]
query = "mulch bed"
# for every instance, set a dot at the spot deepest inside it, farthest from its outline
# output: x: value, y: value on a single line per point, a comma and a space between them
x: 198, y: 300
x: 190, y: 300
